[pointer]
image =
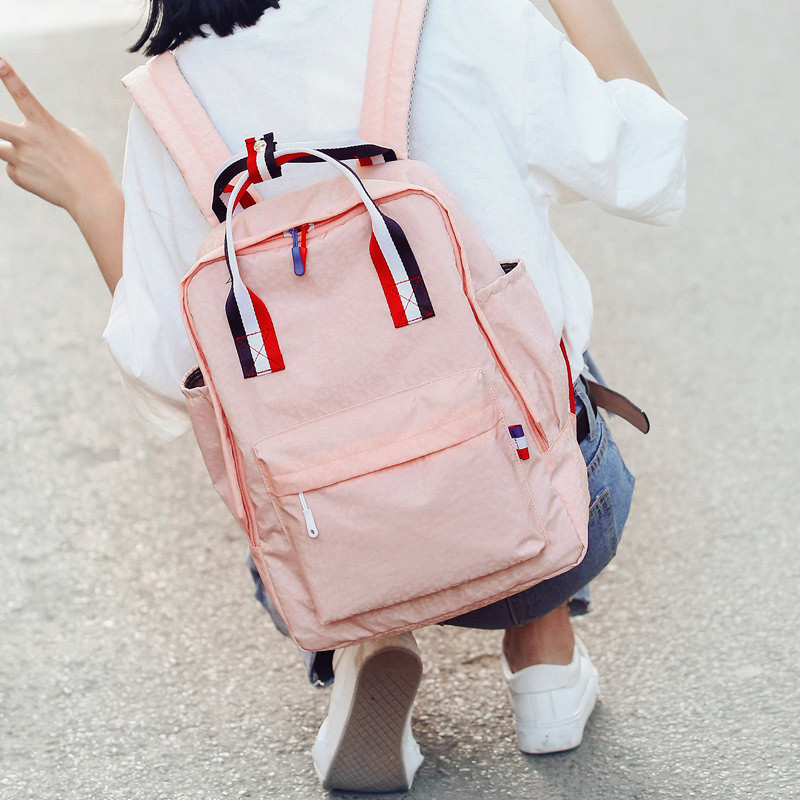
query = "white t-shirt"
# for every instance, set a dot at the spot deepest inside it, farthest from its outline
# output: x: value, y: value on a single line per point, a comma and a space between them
x: 506, y: 110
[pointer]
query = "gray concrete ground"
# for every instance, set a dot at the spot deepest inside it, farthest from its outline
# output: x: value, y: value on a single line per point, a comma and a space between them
x: 133, y: 663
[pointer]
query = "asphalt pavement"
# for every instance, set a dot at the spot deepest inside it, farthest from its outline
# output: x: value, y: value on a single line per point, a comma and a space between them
x: 133, y: 661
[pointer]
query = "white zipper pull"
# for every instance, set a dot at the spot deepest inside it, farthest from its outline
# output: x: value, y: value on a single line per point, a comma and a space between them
x: 311, y: 525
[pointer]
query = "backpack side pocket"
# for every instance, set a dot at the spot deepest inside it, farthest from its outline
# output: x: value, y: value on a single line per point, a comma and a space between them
x: 514, y: 310
x: 206, y: 430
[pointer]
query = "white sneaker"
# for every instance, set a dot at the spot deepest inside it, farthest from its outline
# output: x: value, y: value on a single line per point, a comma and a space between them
x: 551, y: 703
x: 365, y: 743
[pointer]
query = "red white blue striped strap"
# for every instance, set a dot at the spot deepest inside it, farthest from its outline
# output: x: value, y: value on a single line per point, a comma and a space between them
x: 394, y: 261
x: 250, y: 323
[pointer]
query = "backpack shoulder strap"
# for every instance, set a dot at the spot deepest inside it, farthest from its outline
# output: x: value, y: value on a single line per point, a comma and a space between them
x: 167, y: 101
x: 391, y: 63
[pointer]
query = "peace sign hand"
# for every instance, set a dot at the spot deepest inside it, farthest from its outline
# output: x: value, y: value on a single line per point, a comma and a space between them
x: 60, y: 165
x: 43, y: 155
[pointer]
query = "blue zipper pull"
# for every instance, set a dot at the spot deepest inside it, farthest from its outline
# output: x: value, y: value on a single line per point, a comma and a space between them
x: 297, y: 256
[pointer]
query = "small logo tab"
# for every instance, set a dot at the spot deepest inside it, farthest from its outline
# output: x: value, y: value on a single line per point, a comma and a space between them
x: 520, y: 442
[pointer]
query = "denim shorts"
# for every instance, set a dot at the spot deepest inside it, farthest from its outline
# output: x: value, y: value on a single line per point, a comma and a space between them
x: 610, y: 492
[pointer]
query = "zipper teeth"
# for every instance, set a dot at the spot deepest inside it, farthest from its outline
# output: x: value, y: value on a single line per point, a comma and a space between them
x: 286, y: 234
x: 277, y: 237
x: 237, y: 468
x: 354, y: 210
x: 414, y: 76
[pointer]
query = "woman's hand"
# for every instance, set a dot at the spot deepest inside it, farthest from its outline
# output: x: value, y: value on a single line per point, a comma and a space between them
x: 60, y: 165
x: 43, y: 155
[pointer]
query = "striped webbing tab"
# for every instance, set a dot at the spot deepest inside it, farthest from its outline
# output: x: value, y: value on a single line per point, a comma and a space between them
x: 261, y: 164
x: 391, y: 254
x: 520, y: 442
x: 249, y: 321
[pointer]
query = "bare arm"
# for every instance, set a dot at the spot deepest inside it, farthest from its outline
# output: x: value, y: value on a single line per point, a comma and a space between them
x: 598, y: 31
x: 60, y: 165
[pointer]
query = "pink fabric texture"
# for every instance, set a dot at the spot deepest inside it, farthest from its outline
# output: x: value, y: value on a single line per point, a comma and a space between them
x: 395, y: 441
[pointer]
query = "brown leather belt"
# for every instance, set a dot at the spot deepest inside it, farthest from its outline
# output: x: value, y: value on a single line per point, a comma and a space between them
x: 613, y: 402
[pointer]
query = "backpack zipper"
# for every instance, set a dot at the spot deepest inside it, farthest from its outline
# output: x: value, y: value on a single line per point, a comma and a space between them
x: 299, y: 247
x: 311, y: 525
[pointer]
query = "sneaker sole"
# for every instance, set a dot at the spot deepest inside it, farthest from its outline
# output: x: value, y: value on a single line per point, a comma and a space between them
x: 370, y: 756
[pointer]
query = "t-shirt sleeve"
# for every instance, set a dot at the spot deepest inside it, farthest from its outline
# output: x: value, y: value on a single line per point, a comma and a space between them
x: 145, y: 332
x: 617, y: 143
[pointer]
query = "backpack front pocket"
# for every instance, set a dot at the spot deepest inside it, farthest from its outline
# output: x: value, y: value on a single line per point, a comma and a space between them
x: 402, y: 496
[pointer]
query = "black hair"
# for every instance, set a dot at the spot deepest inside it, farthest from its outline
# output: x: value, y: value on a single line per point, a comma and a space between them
x: 172, y: 22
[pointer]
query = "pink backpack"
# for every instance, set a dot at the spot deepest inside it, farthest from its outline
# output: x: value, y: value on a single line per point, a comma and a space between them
x: 383, y: 407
